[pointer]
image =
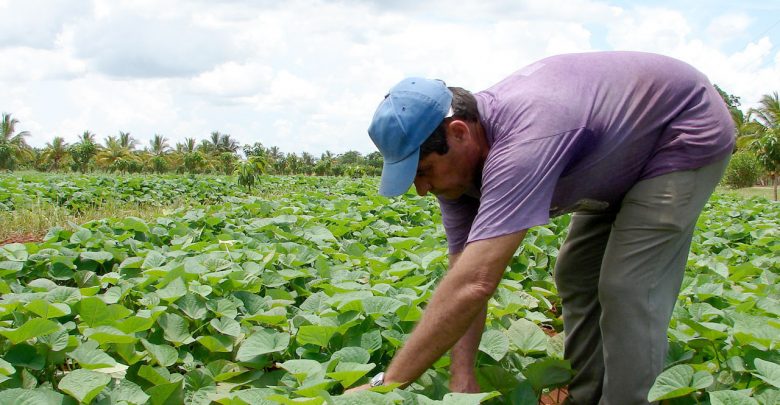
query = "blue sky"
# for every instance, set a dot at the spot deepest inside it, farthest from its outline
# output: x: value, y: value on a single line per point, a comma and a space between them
x: 306, y: 75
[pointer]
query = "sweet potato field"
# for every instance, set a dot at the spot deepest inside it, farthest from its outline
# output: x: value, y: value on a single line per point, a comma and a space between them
x: 299, y: 293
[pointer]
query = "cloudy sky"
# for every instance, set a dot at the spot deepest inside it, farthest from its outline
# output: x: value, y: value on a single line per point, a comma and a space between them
x: 306, y: 75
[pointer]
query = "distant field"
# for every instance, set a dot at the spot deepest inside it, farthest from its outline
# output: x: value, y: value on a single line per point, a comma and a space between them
x: 765, y: 192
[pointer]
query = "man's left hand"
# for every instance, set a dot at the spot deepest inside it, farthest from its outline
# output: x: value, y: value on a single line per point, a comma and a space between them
x: 358, y: 388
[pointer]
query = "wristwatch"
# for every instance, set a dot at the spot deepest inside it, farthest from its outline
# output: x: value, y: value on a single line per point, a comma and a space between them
x: 377, y: 380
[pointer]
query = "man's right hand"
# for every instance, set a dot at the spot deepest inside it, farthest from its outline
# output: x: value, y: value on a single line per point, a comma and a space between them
x: 464, y: 382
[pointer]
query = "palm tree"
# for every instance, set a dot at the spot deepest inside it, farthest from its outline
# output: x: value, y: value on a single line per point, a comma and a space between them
x: 188, y: 146
x: 55, y: 152
x: 219, y: 143
x: 768, y: 113
x: 159, y: 150
x: 115, y: 155
x: 748, y: 129
x: 159, y: 145
x: 83, y: 151
x: 127, y: 141
x: 13, y: 147
x: 767, y: 146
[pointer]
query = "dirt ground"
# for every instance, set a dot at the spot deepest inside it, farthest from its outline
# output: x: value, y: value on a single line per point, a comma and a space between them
x: 22, y: 238
x: 555, y: 397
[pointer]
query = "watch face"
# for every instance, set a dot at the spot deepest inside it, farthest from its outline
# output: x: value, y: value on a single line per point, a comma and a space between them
x: 377, y: 380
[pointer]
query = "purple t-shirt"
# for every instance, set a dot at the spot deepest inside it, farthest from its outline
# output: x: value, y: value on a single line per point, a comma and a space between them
x: 574, y: 133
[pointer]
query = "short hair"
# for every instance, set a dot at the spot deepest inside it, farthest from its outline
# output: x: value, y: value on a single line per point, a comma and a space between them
x: 464, y: 107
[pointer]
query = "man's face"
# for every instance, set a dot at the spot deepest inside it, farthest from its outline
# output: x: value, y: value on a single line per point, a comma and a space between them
x: 449, y: 175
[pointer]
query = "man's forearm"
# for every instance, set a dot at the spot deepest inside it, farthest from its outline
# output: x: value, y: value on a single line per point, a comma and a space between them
x: 464, y: 353
x: 450, y: 313
x: 459, y: 299
x: 463, y: 357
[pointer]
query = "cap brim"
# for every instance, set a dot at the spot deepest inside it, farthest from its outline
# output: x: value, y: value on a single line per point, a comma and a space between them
x: 398, y: 176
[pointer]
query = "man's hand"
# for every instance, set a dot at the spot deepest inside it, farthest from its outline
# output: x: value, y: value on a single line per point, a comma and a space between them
x: 358, y: 388
x: 464, y: 382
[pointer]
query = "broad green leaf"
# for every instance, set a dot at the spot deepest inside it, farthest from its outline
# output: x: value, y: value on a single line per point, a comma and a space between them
x: 47, y: 310
x: 494, y: 343
x: 768, y: 397
x: 100, y: 257
x: 153, y: 259
x: 135, y: 224
x: 155, y: 375
x: 108, y: 334
x: 6, y: 368
x: 314, y: 387
x: 163, y: 355
x: 38, y: 396
x: 467, y: 399
x: 274, y: 316
x: 381, y: 305
x: 128, y: 392
x: 93, y: 311
x: 303, y: 369
x: 315, y: 334
x: 678, y: 381
x: 170, y: 393
x: 548, y: 373
x: 527, y: 337
x: 352, y: 355
x: 81, y: 236
x: 219, y: 343
x: 262, y: 342
x: 281, y: 399
x: 84, y: 385
x: 730, y: 398
x: 173, y: 290
x: 222, y: 370
x: 226, y: 326
x: 348, y: 373
x: 8, y: 267
x: 90, y: 356
x: 175, y: 329
x: 768, y: 371
x: 31, y: 329
x: 24, y: 355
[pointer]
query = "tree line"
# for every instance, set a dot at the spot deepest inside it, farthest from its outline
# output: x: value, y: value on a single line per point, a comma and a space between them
x: 756, y: 158
x: 757, y: 154
x: 218, y: 154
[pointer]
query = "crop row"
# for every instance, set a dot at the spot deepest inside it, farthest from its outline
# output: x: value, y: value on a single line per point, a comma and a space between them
x: 296, y: 298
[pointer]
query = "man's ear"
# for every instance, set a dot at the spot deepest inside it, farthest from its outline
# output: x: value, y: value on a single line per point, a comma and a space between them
x: 458, y: 130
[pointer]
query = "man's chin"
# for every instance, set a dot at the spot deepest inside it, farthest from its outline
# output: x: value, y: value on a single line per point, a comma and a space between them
x: 449, y: 196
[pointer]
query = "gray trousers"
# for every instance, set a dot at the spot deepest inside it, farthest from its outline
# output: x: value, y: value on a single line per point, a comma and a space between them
x: 619, y: 275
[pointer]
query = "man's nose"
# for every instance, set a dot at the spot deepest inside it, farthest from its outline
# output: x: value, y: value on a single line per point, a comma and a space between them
x: 422, y: 186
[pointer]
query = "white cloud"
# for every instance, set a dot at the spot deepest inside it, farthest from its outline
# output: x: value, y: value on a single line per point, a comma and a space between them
x: 728, y: 27
x: 233, y: 79
x: 28, y: 64
x: 131, y: 45
x: 308, y: 74
x: 649, y: 29
x: 37, y: 23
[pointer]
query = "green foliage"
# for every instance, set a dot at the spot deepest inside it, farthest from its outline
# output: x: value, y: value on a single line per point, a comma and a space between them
x: 744, y: 170
x: 296, y: 298
x: 82, y: 154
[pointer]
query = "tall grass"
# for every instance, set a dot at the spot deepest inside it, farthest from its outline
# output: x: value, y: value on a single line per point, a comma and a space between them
x: 34, y: 221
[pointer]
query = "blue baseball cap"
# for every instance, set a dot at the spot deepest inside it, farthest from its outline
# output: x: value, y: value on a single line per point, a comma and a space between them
x: 407, y: 116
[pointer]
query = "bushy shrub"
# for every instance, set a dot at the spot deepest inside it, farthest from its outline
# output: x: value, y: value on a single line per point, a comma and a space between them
x: 743, y: 171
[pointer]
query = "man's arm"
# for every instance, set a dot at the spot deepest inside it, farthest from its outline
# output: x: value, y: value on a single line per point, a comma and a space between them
x: 464, y: 353
x: 463, y: 356
x: 459, y: 299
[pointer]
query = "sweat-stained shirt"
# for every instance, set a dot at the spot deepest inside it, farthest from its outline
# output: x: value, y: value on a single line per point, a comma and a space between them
x: 574, y: 132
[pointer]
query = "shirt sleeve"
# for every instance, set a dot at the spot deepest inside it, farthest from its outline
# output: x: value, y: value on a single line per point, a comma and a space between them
x: 518, y: 183
x: 457, y: 217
